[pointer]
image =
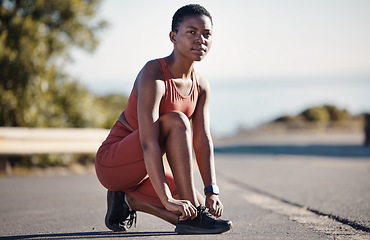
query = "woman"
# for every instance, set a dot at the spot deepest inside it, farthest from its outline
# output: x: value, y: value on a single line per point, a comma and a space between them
x: 166, y: 95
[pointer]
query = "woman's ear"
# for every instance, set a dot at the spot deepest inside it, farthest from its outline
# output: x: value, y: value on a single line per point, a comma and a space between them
x: 173, y: 36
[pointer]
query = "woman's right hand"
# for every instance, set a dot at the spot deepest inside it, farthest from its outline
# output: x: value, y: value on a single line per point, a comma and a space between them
x: 184, y: 208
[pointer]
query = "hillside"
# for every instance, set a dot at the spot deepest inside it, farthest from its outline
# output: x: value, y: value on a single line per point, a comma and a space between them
x: 323, y: 119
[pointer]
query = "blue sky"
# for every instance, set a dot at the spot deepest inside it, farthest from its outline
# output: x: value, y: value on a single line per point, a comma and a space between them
x: 252, y: 40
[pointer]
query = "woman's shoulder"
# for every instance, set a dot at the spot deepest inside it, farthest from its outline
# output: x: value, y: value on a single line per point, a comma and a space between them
x: 153, y: 70
x: 203, y: 82
x: 151, y: 74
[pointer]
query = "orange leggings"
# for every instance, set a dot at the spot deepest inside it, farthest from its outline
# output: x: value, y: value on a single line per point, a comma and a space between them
x: 119, y: 165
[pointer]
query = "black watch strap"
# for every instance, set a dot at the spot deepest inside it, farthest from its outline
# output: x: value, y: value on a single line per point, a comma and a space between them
x: 213, y: 189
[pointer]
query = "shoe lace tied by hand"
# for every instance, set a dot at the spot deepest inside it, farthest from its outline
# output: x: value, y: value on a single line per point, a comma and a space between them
x: 203, y: 209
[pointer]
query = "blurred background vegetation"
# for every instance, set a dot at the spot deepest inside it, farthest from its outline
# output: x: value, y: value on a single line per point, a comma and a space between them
x: 36, y: 37
x: 317, y: 119
x: 326, y: 115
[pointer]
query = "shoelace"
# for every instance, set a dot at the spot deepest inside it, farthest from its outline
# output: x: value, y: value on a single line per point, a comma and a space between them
x: 203, y: 209
x: 132, y: 217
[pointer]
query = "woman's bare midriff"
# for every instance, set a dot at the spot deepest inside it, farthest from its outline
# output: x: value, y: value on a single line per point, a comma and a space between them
x: 122, y: 119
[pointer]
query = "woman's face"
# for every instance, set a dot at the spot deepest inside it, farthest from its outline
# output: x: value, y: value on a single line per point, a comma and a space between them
x: 194, y: 37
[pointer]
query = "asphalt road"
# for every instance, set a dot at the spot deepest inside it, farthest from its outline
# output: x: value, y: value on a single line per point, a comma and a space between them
x: 267, y: 196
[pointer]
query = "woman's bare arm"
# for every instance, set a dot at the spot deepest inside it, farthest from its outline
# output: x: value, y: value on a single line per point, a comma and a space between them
x: 150, y: 90
x: 203, y: 146
x: 202, y: 140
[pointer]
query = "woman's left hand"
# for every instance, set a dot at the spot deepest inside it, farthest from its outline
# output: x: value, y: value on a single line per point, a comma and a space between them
x: 214, y: 204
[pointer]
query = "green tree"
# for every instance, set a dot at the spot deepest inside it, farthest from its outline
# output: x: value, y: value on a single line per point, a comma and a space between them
x: 35, y: 38
x: 110, y: 107
x: 316, y: 114
x: 337, y: 114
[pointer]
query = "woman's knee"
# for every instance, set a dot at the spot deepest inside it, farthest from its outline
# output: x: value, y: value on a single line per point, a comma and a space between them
x: 175, y: 120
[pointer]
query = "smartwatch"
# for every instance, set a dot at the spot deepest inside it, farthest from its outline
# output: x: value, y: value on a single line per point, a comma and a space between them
x: 213, y: 189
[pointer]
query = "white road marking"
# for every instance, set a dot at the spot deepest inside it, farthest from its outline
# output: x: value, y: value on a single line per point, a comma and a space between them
x: 311, y: 220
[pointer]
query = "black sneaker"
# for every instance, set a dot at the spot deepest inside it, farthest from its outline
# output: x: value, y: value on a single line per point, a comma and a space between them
x: 204, y: 223
x: 118, y: 217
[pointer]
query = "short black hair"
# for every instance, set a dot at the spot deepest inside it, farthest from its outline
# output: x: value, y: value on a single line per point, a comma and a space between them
x: 188, y: 10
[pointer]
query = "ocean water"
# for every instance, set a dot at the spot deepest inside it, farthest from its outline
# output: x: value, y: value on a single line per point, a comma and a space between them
x: 247, y: 103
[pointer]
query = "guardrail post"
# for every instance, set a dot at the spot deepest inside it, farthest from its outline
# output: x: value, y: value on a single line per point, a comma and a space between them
x: 367, y: 130
x: 5, y: 165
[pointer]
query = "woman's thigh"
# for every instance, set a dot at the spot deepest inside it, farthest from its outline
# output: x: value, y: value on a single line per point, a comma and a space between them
x: 119, y: 162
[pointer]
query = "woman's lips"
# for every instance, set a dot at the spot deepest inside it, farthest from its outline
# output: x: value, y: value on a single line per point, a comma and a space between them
x: 199, y: 50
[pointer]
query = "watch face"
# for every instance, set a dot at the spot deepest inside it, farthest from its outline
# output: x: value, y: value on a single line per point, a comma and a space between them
x: 215, y: 189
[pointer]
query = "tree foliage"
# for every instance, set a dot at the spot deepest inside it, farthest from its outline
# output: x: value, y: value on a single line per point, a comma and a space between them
x: 35, y: 38
x: 325, y: 113
x: 111, y: 106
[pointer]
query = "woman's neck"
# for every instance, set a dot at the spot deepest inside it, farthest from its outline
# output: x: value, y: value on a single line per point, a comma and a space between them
x: 179, y: 67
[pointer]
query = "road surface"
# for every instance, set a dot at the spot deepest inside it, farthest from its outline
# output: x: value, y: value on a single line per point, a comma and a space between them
x: 291, y: 194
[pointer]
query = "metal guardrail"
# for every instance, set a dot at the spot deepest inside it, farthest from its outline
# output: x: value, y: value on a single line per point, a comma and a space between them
x: 28, y: 141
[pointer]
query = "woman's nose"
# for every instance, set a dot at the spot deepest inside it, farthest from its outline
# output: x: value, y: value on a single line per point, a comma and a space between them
x: 201, y: 38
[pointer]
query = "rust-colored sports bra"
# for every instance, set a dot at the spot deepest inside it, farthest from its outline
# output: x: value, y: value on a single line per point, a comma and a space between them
x: 171, y: 101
